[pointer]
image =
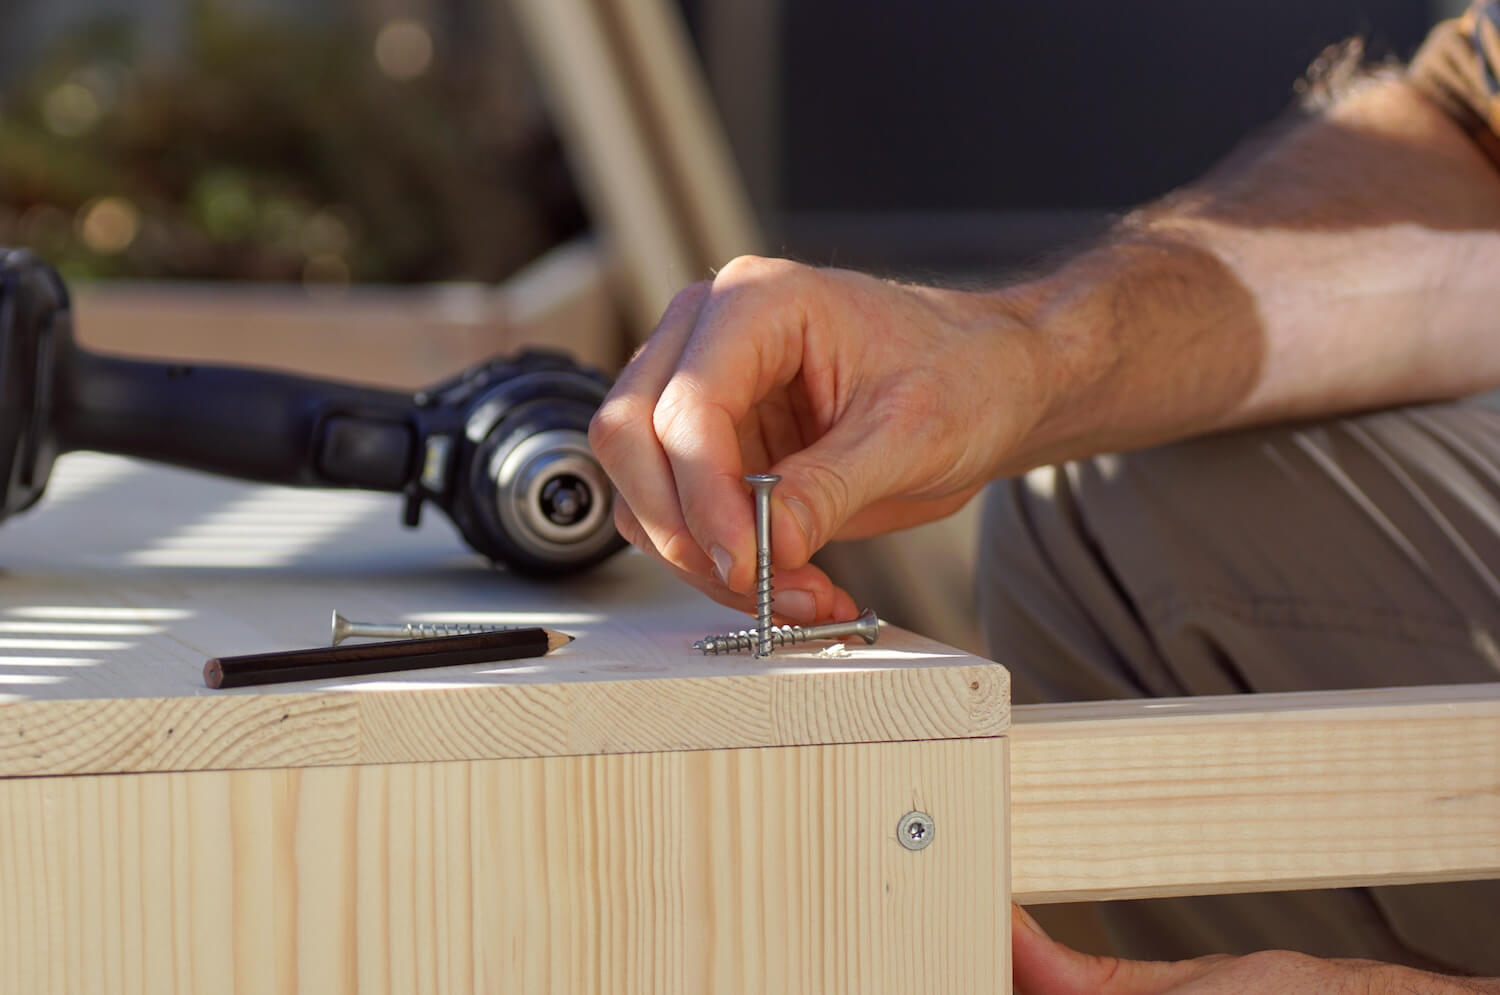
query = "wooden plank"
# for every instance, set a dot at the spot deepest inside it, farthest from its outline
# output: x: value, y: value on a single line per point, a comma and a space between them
x: 684, y: 128
x: 106, y: 619
x: 403, y: 337
x: 608, y: 141
x: 1255, y: 793
x: 503, y: 720
x: 743, y: 42
x: 772, y: 870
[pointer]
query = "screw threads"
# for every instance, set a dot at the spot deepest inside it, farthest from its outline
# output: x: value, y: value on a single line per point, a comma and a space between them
x: 345, y: 629
x: 761, y: 484
x: 423, y: 630
x: 763, y: 604
x: 866, y: 627
x: 749, y: 639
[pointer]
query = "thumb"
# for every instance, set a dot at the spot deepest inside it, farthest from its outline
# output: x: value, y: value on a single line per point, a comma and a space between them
x: 830, y: 481
x: 1042, y: 966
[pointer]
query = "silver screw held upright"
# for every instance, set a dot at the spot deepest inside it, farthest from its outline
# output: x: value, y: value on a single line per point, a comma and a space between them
x: 761, y: 484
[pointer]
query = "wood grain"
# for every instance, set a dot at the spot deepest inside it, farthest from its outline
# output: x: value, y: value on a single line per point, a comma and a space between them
x: 689, y: 141
x: 608, y: 141
x: 521, y: 720
x: 1255, y: 793
x: 724, y: 871
x: 108, y: 619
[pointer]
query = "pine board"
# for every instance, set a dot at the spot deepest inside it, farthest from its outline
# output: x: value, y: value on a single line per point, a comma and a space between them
x: 128, y: 576
x: 1255, y: 793
x: 764, y: 870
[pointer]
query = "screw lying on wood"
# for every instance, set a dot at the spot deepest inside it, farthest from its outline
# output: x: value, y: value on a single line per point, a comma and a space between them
x: 866, y: 627
x: 345, y: 629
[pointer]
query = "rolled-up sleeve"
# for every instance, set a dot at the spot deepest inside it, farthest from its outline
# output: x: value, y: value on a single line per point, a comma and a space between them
x: 1458, y: 66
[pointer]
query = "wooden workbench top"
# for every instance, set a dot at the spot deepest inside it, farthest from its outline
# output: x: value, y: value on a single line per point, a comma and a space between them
x: 118, y: 586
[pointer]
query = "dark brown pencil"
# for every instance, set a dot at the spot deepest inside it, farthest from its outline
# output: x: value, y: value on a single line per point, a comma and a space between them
x: 323, y: 662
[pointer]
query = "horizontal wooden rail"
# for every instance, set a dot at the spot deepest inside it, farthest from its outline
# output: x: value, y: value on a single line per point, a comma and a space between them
x: 393, y: 336
x: 1255, y: 793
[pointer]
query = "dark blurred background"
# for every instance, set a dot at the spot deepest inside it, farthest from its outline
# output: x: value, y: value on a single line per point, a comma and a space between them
x: 398, y: 142
x: 948, y: 134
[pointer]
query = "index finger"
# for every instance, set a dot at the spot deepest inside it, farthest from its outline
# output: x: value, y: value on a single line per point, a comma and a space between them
x: 748, y: 341
x: 622, y: 438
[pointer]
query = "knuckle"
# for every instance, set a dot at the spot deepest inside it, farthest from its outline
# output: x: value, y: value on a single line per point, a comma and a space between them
x: 675, y: 546
x: 629, y: 526
x: 1266, y: 960
x: 670, y: 409
x: 756, y: 269
x: 686, y: 299
x: 610, y: 426
x: 681, y: 550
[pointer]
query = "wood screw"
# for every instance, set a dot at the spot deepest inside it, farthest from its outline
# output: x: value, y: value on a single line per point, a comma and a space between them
x: 916, y: 830
x: 866, y: 627
x: 345, y: 629
x: 761, y: 484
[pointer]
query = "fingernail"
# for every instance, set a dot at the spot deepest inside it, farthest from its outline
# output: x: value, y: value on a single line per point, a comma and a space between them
x: 804, y: 519
x: 800, y: 605
x: 723, y: 564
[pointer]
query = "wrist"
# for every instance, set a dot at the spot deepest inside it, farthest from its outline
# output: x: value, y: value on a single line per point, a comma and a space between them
x: 1399, y: 980
x: 1068, y: 359
x: 1146, y: 338
x: 1018, y: 365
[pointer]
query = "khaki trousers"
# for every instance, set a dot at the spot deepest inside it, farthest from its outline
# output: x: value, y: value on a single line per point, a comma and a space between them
x: 1355, y: 552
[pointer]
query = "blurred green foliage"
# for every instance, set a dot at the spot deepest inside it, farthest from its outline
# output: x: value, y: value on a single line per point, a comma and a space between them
x: 273, y: 151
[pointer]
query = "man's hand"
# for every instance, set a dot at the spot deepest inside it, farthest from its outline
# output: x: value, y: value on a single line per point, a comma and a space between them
x: 1349, y: 265
x: 881, y: 406
x: 1044, y: 967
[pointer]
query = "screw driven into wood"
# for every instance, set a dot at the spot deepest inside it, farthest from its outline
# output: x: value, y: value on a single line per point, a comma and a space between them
x: 761, y: 484
x: 866, y: 627
x: 345, y: 629
x: 916, y: 830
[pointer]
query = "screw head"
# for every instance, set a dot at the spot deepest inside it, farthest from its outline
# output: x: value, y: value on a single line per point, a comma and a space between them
x: 867, y: 626
x: 916, y: 830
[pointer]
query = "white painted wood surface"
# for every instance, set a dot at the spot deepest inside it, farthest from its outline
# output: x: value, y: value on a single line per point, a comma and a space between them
x: 127, y: 577
x: 624, y: 816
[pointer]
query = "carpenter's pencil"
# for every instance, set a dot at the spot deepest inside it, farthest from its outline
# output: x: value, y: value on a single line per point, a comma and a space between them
x: 324, y: 662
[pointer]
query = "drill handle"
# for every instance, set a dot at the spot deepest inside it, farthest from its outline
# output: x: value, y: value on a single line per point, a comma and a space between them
x: 254, y: 424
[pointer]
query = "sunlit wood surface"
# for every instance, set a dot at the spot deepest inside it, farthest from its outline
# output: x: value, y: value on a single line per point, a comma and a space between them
x: 623, y: 816
x: 128, y: 577
x: 1205, y: 796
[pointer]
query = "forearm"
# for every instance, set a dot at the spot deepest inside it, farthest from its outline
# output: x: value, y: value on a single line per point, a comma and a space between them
x: 1352, y: 263
x: 1395, y: 980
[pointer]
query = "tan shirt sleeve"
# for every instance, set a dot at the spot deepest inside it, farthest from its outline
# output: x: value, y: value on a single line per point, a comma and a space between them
x: 1458, y: 66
